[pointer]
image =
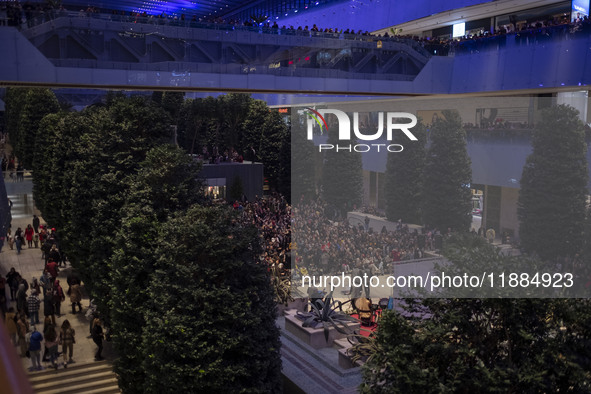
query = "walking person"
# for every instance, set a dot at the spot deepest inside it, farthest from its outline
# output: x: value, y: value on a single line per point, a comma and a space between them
x: 51, y: 342
x: 33, y: 303
x: 48, y: 308
x: 45, y: 248
x: 58, y: 298
x: 76, y: 297
x: 46, y: 323
x: 12, y: 280
x: 23, y: 328
x: 45, y: 281
x: 42, y: 236
x: 36, y: 223
x: 29, y: 235
x: 19, y: 244
x: 54, y: 254
x: 67, y: 339
x: 20, y: 173
x: 90, y: 315
x: 52, y: 268
x: 35, y: 285
x: 18, y: 233
x: 97, y: 337
x: 11, y: 326
x: 10, y: 239
x: 21, y: 299
x: 35, y: 350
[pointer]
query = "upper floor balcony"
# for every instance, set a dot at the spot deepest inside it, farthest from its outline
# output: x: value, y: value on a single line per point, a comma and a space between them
x: 120, y: 51
x: 111, y: 41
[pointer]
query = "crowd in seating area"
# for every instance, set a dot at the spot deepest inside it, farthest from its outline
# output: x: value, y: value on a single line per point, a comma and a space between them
x: 325, y: 246
x: 272, y: 216
x: 29, y: 14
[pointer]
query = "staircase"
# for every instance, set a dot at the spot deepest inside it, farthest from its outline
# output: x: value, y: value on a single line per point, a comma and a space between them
x: 89, y: 378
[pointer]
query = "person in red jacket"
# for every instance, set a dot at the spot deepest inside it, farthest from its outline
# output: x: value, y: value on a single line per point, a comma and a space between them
x: 51, y: 267
x: 29, y: 231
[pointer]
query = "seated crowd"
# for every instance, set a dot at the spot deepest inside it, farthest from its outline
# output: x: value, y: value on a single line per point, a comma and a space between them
x: 325, y: 246
x: 272, y: 216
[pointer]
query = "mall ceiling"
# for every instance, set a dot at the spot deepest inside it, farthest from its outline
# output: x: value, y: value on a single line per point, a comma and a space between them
x: 201, y: 8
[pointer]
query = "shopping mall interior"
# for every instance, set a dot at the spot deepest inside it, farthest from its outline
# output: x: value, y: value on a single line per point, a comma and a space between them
x: 234, y: 86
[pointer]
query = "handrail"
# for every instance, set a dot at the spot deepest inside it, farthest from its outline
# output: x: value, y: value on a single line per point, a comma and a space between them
x: 424, y: 47
x: 155, y: 21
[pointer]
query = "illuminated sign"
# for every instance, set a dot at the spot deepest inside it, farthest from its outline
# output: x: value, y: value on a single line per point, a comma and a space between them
x: 459, y: 29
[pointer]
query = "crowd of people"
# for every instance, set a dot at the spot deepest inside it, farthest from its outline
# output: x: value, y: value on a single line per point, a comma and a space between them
x: 29, y: 14
x: 324, y: 246
x: 272, y: 216
x: 44, y: 295
x: 10, y: 167
x: 13, y: 13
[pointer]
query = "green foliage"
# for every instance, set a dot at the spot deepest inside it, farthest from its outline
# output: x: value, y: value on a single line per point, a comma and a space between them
x: 112, y: 96
x: 551, y: 206
x: 125, y: 204
x: 483, y: 345
x: 37, y: 104
x: 448, y: 174
x: 85, y: 169
x: 165, y: 184
x: 15, y: 101
x: 448, y: 345
x: 265, y: 131
x: 210, y: 322
x: 172, y: 103
x: 281, y: 285
x: 55, y: 162
x: 404, y: 179
x: 342, y: 177
x: 237, y: 121
x: 363, y: 348
x: 194, y: 120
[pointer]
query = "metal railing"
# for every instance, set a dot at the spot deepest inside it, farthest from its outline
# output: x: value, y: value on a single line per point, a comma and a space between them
x: 190, y: 24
